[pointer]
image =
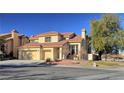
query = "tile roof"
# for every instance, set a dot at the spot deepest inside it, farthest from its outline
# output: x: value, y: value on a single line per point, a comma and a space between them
x: 32, y: 44
x: 46, y: 45
x: 54, y: 44
x: 7, y: 35
x: 67, y: 34
x: 34, y: 37
x: 45, y: 34
x: 50, y: 33
x: 76, y: 39
x: 3, y: 36
x: 21, y: 36
x: 10, y: 38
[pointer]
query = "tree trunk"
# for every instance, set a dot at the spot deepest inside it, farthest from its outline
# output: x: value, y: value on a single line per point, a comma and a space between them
x: 100, y: 55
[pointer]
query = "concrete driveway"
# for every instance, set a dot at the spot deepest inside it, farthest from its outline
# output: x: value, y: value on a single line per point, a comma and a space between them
x: 20, y: 62
x: 52, y: 72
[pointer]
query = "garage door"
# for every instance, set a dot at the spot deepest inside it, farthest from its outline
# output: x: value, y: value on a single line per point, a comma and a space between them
x: 26, y: 55
x: 47, y: 54
x: 35, y: 55
x: 30, y: 55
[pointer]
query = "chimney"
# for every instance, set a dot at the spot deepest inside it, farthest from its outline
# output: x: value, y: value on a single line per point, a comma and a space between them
x: 83, y: 33
x: 14, y: 32
x: 15, y: 37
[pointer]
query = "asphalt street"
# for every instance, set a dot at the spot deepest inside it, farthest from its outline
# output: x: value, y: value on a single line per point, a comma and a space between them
x: 59, y: 73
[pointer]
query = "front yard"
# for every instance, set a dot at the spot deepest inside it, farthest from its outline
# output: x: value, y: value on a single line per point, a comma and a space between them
x: 72, y: 63
x: 105, y: 64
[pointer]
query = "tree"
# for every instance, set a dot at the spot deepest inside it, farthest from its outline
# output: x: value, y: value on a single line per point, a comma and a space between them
x: 2, y: 41
x: 119, y: 39
x: 82, y: 53
x: 104, y: 33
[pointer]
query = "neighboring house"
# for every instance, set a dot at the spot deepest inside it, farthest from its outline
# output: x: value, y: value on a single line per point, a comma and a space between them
x: 121, y: 52
x: 53, y: 46
x: 12, y: 41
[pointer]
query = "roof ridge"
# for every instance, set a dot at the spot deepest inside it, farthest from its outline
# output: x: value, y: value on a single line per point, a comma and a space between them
x: 5, y: 34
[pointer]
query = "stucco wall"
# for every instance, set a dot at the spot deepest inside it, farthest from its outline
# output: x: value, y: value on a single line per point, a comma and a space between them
x: 15, y: 43
x: 8, y: 46
x: 41, y: 39
x: 53, y: 39
x: 24, y: 40
x: 49, y: 55
x: 56, y: 53
x: 37, y: 40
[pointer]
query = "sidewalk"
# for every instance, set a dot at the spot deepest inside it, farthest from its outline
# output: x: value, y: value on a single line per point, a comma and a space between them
x: 91, y: 67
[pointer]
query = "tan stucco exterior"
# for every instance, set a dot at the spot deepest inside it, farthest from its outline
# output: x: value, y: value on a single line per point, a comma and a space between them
x: 15, y: 37
x: 39, y: 50
x: 41, y: 40
x: 8, y: 46
x: 12, y: 41
x: 53, y: 39
x: 48, y: 53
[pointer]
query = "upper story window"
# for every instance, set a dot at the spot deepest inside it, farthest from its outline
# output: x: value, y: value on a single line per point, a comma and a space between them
x: 33, y: 41
x: 47, y: 39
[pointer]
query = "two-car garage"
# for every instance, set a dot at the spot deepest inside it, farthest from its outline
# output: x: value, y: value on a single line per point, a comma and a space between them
x: 36, y: 54
x: 29, y: 54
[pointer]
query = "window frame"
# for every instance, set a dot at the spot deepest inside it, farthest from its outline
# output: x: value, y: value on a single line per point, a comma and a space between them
x: 47, y: 39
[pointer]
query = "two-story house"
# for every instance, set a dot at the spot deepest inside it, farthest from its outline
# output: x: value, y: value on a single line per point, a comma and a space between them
x: 12, y: 41
x: 54, y: 46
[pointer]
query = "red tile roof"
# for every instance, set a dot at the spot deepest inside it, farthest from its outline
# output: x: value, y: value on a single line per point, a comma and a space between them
x: 50, y: 33
x: 76, y: 39
x: 46, y: 45
x: 45, y: 34
x: 68, y: 34
x: 4, y: 36
x: 10, y: 38
x: 54, y: 44
x: 33, y: 44
x: 34, y: 37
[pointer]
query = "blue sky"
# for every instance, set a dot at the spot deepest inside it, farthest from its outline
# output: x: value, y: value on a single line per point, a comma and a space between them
x: 33, y: 24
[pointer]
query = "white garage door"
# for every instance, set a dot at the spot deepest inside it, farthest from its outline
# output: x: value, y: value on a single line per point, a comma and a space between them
x: 30, y: 55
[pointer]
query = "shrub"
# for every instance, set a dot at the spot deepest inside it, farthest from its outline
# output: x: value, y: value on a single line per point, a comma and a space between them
x: 48, y: 60
x: 1, y: 57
